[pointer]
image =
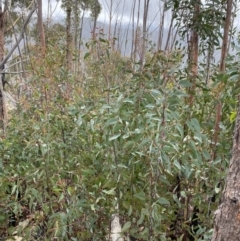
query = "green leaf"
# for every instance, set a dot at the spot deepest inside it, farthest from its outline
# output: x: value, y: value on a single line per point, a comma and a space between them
x: 128, y: 145
x: 130, y: 210
x: 177, y: 164
x: 185, y: 83
x: 194, y: 125
x: 110, y: 192
x: 86, y: 55
x: 232, y: 117
x: 111, y: 121
x: 164, y: 180
x: 206, y: 155
x: 114, y: 137
x: 163, y: 201
x: 143, y: 143
x: 126, y: 226
x: 92, y: 125
x: 180, y: 130
x: 140, y: 195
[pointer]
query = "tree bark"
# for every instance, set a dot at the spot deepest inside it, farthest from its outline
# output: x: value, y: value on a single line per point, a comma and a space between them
x: 161, y: 29
x: 222, y: 70
x: 95, y: 16
x: 3, y: 112
x: 40, y: 28
x: 194, y: 53
x: 227, y: 216
x: 116, y: 228
x: 144, y: 37
x: 69, y: 37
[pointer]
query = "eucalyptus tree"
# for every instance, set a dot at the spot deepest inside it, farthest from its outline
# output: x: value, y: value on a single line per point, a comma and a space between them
x: 3, y: 113
x: 40, y: 27
x: 200, y: 25
x: 72, y: 8
x: 227, y: 216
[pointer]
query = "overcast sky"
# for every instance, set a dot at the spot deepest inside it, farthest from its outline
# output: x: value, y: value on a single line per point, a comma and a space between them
x: 121, y: 11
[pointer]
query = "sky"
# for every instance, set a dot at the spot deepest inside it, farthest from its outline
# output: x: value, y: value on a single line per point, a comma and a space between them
x: 121, y: 11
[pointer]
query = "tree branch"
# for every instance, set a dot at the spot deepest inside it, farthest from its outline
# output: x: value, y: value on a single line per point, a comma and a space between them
x: 19, y: 38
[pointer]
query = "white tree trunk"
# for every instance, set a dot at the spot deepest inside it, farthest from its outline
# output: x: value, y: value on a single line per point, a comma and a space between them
x: 116, y: 228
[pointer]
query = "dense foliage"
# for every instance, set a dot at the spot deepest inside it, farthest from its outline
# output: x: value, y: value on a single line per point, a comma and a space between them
x: 80, y: 148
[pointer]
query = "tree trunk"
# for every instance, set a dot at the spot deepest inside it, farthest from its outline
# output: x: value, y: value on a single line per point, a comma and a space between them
x: 40, y: 28
x: 227, y: 216
x: 161, y: 29
x: 96, y: 12
x: 194, y: 54
x: 133, y: 32
x: 144, y: 37
x: 116, y: 228
x: 3, y: 112
x: 69, y: 37
x: 222, y: 70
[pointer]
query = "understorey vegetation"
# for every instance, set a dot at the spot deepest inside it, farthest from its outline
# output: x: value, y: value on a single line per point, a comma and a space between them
x: 76, y: 152
x: 92, y: 134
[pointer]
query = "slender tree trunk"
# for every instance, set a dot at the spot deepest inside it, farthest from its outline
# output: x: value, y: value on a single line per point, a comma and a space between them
x: 136, y: 39
x: 194, y: 54
x: 161, y: 29
x: 133, y: 31
x: 95, y: 18
x: 222, y: 70
x: 76, y: 25
x: 40, y: 28
x: 231, y: 27
x: 169, y: 32
x: 110, y: 20
x: 144, y: 36
x: 69, y: 37
x: 209, y: 61
x: 3, y: 112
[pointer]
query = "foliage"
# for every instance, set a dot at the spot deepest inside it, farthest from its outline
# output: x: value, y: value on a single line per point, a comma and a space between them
x: 70, y: 160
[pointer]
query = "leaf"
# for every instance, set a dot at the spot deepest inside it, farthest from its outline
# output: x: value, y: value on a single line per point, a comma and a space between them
x: 150, y: 106
x: 128, y: 101
x: 130, y: 210
x: 177, y: 164
x: 140, y: 195
x: 111, y: 121
x: 233, y: 116
x: 206, y: 155
x: 126, y: 226
x: 122, y: 166
x: 92, y: 125
x: 128, y: 145
x: 114, y: 137
x: 163, y: 201
x: 143, y: 143
x: 185, y: 83
x: 110, y: 192
x: 79, y: 121
x: 103, y: 40
x: 86, y: 55
x: 217, y: 189
x: 196, y: 124
x: 180, y: 130
x: 164, y: 180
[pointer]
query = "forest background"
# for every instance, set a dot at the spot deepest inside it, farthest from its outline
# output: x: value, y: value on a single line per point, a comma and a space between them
x: 120, y: 126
